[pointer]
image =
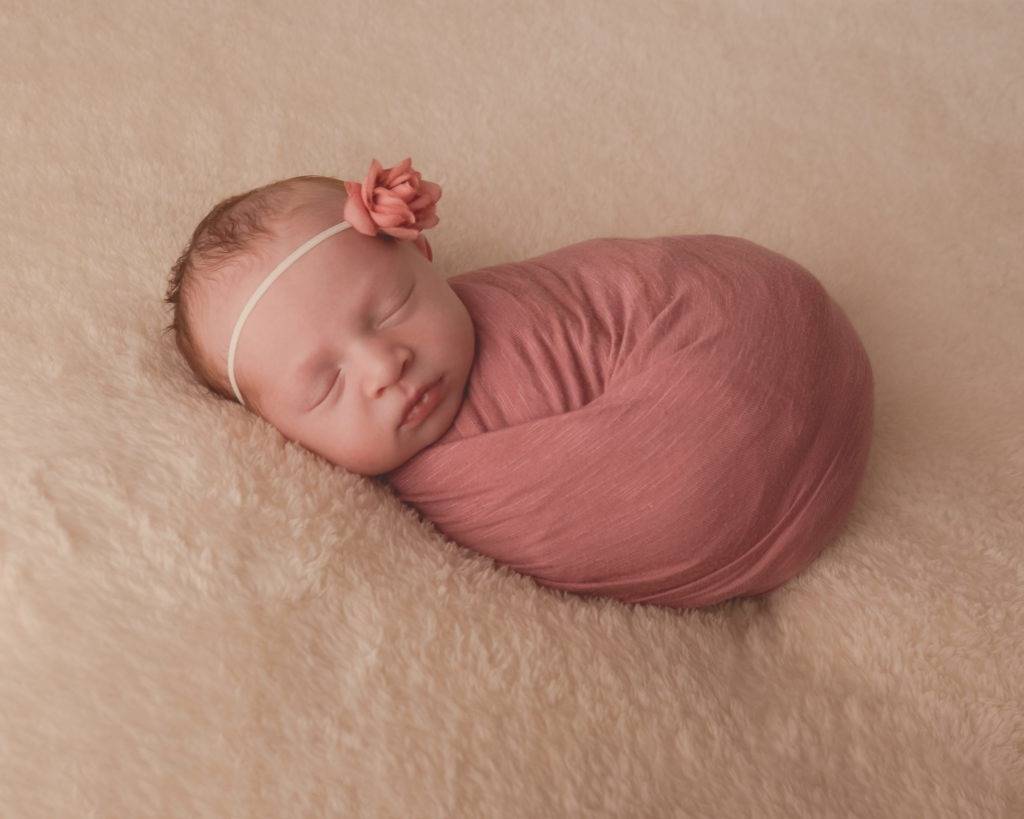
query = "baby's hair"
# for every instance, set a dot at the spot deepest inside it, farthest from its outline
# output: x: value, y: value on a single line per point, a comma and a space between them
x: 235, y: 229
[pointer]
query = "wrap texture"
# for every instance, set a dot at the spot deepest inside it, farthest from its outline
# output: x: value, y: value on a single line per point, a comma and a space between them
x: 674, y: 421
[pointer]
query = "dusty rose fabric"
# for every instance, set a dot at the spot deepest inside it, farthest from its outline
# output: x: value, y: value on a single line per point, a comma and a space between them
x: 676, y: 420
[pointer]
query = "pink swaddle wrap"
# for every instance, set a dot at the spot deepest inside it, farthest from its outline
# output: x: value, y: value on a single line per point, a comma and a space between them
x: 675, y: 420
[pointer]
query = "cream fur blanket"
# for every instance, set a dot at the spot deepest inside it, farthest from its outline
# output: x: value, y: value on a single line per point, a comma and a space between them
x: 198, y: 619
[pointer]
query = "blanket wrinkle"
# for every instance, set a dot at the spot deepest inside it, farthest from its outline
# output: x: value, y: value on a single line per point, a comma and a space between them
x: 674, y: 420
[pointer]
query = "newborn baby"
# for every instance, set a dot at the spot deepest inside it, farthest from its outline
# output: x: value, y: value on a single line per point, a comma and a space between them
x: 348, y: 337
x: 676, y: 420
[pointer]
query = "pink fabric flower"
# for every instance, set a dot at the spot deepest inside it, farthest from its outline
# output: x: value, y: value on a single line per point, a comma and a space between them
x: 396, y: 201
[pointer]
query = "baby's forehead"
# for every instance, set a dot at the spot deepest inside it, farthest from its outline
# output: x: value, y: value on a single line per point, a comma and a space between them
x: 342, y: 264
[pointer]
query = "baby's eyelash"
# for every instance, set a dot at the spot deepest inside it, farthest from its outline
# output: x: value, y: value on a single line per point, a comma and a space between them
x: 389, y: 314
x: 330, y: 389
x: 400, y: 304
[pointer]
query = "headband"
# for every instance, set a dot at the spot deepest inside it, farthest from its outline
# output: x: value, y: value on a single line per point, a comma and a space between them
x: 290, y: 259
x: 395, y: 201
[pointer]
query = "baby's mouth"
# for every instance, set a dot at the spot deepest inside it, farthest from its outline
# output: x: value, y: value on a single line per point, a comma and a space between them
x: 426, y: 404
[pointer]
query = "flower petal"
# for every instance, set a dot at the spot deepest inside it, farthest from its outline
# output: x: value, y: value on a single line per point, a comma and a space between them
x: 397, y: 171
x: 385, y: 198
x: 424, y: 246
x: 356, y: 214
x: 428, y: 221
x: 401, y: 179
x: 396, y: 201
x: 391, y: 218
x: 401, y: 232
x: 421, y: 202
x: 371, y: 182
x: 432, y: 189
x: 405, y: 190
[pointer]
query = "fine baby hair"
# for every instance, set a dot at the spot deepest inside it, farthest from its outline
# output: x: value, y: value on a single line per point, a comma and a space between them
x: 393, y: 203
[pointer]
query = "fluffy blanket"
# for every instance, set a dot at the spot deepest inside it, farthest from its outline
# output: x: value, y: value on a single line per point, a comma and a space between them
x: 200, y: 619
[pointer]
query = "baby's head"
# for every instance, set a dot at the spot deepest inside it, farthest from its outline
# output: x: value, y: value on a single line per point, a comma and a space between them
x: 340, y: 341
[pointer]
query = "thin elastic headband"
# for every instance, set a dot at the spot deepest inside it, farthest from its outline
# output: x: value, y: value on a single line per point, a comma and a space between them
x: 256, y: 296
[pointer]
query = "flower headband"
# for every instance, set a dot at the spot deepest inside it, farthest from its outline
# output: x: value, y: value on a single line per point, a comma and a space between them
x: 396, y: 201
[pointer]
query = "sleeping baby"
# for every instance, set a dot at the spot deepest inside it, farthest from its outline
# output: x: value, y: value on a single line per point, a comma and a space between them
x: 676, y: 420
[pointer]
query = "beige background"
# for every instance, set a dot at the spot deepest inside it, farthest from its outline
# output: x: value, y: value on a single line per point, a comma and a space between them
x: 198, y: 619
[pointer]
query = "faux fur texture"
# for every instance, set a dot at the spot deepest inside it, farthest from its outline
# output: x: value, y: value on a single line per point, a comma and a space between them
x: 198, y: 619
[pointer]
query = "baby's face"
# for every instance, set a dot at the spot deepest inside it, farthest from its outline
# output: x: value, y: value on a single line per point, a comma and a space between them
x: 341, y: 340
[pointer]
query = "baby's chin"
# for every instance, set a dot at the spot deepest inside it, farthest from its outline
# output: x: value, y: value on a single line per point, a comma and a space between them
x: 426, y: 434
